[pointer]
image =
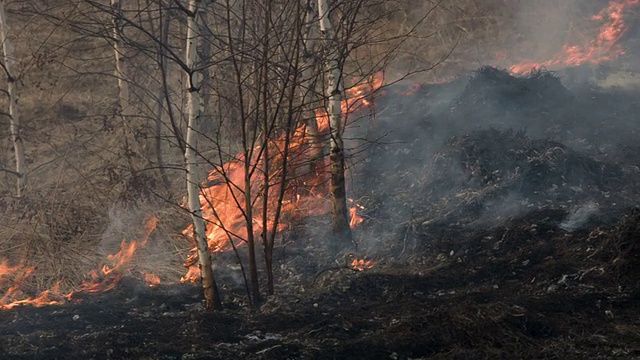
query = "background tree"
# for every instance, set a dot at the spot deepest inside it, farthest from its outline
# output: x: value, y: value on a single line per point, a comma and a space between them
x: 12, y: 93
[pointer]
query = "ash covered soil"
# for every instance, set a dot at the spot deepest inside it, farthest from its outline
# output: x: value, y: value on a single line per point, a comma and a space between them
x: 501, y: 216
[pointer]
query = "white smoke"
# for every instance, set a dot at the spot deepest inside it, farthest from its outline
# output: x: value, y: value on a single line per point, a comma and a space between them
x: 579, y: 216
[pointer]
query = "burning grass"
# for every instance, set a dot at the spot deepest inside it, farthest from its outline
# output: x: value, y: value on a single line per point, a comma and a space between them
x: 53, y: 270
x: 603, y: 47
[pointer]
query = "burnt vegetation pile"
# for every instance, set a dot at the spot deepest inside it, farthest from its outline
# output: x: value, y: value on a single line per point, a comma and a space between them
x: 505, y: 232
x: 511, y: 161
x: 509, y: 141
x: 493, y: 92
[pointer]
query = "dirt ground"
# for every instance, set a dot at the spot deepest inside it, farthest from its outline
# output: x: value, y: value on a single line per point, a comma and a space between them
x: 501, y: 221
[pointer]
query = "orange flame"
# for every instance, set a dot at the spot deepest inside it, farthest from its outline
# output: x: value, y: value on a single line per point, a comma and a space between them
x: 356, y: 97
x: 14, y: 296
x: 99, y: 280
x: 108, y: 277
x: 192, y: 275
x: 223, y: 202
x: 151, y: 279
x: 6, y: 269
x: 361, y: 264
x: 354, y: 218
x: 604, y: 47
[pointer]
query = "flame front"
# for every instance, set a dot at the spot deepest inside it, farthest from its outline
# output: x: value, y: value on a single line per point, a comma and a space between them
x: 108, y: 277
x: 223, y: 202
x: 98, y: 281
x: 604, y: 47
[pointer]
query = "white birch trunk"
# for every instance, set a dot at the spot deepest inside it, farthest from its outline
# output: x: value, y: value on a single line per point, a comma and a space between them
x: 123, y: 86
x: 339, y: 213
x: 308, y: 85
x: 195, y: 108
x: 15, y: 128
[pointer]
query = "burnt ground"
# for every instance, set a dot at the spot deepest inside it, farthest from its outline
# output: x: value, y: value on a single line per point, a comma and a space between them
x: 501, y: 216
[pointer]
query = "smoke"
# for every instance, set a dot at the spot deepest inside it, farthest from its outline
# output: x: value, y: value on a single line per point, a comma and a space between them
x: 476, y: 152
x: 158, y: 255
x: 542, y: 27
x: 579, y: 216
x: 511, y: 206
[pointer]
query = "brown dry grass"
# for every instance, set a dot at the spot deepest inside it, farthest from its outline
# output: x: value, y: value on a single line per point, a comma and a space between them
x: 77, y: 171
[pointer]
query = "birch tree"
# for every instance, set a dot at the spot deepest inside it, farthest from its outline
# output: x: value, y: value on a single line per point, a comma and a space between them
x: 195, y: 108
x: 123, y: 86
x: 333, y: 102
x: 307, y: 89
x: 14, y: 118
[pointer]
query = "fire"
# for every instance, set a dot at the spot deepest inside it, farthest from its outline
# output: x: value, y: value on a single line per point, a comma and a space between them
x: 151, y: 279
x: 356, y: 97
x: 354, y: 218
x: 361, y: 264
x: 108, y: 277
x: 223, y: 202
x: 604, y: 47
x: 6, y: 269
x: 192, y: 275
x: 98, y: 281
x: 412, y: 89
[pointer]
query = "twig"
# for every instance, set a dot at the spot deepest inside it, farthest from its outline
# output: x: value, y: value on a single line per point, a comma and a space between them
x: 268, y: 349
x: 346, y: 266
x: 326, y: 270
x: 406, y: 233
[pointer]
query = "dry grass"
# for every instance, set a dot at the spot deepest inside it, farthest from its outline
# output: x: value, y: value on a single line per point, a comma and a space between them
x: 78, y: 171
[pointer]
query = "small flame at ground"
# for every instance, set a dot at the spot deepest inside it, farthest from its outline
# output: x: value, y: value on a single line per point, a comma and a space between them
x: 98, y: 281
x: 361, y: 264
x: 192, y: 275
x: 151, y: 279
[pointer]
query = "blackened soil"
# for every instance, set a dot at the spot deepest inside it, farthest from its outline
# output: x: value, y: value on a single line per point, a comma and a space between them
x: 507, y: 292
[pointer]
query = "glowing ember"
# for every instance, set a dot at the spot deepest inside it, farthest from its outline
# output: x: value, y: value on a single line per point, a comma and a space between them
x: 98, y: 281
x: 151, y: 279
x: 604, y: 47
x: 361, y: 264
